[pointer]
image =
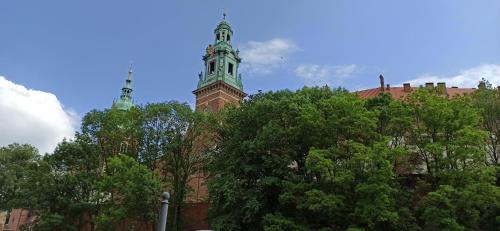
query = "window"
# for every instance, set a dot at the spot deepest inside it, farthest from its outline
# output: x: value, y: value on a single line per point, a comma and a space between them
x: 7, y: 218
x: 218, y: 37
x: 230, y: 69
x: 228, y: 37
x: 211, y: 67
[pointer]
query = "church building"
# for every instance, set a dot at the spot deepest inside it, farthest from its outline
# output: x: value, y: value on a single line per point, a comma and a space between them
x: 219, y: 84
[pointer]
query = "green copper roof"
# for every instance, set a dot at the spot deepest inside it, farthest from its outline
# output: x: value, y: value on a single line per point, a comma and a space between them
x: 223, y: 25
x: 125, y: 100
x: 221, y: 60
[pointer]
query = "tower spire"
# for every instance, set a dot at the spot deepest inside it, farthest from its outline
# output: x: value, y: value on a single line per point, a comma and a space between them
x: 221, y: 71
x: 125, y: 100
x: 224, y: 14
x: 129, y: 78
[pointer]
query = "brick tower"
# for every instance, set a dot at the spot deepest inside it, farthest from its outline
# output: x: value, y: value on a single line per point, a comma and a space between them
x: 218, y: 85
x: 221, y: 82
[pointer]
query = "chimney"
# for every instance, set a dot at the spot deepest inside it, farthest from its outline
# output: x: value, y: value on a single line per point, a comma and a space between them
x: 406, y: 87
x: 381, y: 77
x: 441, y: 87
x: 429, y: 85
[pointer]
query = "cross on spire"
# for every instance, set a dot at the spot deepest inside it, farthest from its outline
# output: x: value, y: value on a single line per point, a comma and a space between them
x: 130, y: 72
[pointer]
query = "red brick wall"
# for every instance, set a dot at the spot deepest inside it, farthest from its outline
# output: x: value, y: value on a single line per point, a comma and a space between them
x: 195, y: 216
x: 18, y: 217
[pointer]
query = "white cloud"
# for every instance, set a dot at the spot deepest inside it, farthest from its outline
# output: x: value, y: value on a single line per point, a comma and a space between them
x: 465, y: 78
x: 313, y: 74
x: 263, y: 57
x: 33, y: 117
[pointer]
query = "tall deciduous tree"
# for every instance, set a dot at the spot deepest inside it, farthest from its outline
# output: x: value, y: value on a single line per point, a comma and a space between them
x: 15, y: 160
x: 60, y: 189
x: 445, y: 135
x: 187, y: 139
x: 131, y: 194
x: 487, y: 100
x: 114, y: 131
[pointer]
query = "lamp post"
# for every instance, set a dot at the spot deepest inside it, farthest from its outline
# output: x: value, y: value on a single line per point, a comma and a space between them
x: 162, y: 223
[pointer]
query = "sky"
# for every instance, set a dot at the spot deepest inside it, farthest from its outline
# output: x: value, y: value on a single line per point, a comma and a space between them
x: 61, y: 59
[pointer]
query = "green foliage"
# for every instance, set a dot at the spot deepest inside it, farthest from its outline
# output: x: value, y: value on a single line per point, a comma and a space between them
x: 61, y: 188
x: 322, y: 159
x: 131, y: 191
x: 114, y: 131
x: 313, y: 159
x: 487, y: 102
x: 176, y: 141
x: 15, y: 160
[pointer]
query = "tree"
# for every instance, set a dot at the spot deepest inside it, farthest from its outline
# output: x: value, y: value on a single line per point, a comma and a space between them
x: 187, y: 138
x: 446, y: 134
x: 169, y: 138
x: 474, y: 206
x: 114, y: 131
x: 61, y: 187
x: 487, y: 101
x: 131, y: 192
x: 310, y: 159
x: 15, y: 159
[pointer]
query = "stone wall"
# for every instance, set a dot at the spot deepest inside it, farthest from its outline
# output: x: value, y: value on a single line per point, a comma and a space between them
x: 3, y: 216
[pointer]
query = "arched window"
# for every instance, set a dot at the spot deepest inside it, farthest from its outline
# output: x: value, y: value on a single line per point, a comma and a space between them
x: 230, y: 69
x: 211, y: 67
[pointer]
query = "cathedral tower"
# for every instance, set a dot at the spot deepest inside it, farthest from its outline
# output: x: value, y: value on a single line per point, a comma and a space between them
x: 125, y: 100
x: 220, y: 83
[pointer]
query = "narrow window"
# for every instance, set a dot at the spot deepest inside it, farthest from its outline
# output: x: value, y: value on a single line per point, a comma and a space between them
x: 230, y: 69
x: 228, y: 37
x: 218, y: 37
x: 211, y: 67
x: 7, y: 218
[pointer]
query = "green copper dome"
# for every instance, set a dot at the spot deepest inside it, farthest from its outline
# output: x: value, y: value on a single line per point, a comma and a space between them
x: 221, y: 60
x: 125, y: 100
x: 223, y: 25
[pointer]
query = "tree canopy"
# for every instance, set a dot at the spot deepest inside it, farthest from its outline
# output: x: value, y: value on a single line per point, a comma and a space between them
x: 322, y: 159
x: 311, y: 159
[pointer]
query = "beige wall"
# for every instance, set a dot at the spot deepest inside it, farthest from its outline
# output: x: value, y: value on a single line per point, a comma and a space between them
x: 3, y: 216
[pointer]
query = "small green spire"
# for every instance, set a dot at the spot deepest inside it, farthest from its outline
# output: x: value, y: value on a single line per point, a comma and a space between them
x: 125, y: 100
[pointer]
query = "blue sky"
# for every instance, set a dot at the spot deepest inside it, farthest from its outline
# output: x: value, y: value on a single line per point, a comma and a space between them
x: 80, y: 50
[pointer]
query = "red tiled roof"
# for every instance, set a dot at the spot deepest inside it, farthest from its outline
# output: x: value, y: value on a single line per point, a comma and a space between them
x: 399, y: 93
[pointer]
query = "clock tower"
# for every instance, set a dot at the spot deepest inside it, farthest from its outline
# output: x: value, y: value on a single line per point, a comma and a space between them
x: 220, y: 83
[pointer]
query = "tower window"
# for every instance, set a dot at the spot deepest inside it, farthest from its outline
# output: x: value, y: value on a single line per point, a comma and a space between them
x: 211, y: 67
x: 230, y: 69
x: 228, y: 37
x: 218, y: 37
